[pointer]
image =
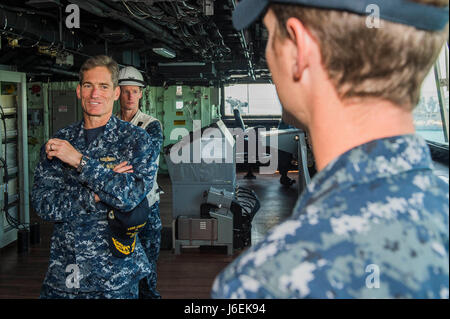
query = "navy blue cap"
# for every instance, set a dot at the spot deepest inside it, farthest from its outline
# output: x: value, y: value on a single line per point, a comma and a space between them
x: 421, y: 16
x: 124, y: 226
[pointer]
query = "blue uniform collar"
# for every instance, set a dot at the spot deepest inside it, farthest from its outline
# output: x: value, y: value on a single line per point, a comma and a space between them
x: 110, y: 132
x: 110, y: 125
x: 376, y: 159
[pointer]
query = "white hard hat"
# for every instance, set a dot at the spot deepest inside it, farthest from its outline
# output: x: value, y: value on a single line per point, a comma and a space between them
x: 130, y: 76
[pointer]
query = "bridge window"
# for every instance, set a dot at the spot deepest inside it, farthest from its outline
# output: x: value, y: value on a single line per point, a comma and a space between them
x: 252, y: 99
x: 431, y: 114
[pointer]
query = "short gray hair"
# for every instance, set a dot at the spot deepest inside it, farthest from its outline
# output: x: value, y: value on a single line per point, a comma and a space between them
x: 101, y: 60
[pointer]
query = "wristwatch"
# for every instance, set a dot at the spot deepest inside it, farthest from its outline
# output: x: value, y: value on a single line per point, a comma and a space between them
x: 83, y: 162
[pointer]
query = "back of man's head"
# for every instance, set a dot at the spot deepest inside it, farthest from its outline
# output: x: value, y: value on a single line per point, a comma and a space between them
x: 101, y: 61
x: 389, y: 61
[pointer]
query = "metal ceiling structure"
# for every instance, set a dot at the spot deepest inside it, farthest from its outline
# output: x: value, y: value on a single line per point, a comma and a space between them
x: 170, y: 41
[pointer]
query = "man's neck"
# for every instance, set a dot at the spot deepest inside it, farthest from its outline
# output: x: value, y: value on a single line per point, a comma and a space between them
x: 91, y: 122
x: 345, y: 126
x: 127, y: 115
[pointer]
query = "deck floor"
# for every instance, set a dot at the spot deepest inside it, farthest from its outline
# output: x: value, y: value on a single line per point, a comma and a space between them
x: 186, y: 276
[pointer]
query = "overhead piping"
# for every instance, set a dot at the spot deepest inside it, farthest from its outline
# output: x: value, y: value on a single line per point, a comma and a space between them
x: 102, y: 10
x: 245, y: 48
x: 32, y: 28
x: 55, y: 70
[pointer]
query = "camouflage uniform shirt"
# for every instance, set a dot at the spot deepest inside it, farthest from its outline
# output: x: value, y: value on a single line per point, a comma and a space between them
x: 150, y: 235
x: 372, y: 224
x: 60, y: 194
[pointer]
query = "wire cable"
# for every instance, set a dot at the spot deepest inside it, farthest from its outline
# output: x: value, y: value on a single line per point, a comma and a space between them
x: 11, y: 220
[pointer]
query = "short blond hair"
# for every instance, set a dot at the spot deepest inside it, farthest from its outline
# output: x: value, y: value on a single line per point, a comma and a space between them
x: 390, y: 62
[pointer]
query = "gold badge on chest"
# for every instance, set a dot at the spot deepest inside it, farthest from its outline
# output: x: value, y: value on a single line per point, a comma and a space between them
x: 108, y: 162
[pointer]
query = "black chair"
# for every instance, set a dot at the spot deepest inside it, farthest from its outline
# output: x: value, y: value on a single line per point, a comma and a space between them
x: 238, y: 119
x: 249, y: 162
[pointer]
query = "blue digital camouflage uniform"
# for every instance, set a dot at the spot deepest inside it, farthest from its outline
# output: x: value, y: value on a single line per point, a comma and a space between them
x: 66, y: 197
x: 150, y: 235
x: 372, y: 224
x: 150, y: 238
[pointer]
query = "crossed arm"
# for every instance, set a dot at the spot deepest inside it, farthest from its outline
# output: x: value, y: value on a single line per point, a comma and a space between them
x: 63, y: 150
x: 58, y: 195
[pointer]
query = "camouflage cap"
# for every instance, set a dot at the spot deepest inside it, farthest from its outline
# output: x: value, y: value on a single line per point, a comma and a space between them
x: 421, y: 16
x: 124, y: 226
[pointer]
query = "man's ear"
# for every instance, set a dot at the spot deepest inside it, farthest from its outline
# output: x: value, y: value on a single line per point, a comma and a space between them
x: 79, y: 91
x: 116, y: 93
x: 302, y: 41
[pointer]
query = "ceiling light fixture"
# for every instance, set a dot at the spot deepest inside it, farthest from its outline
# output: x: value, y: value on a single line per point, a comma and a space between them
x: 183, y: 64
x: 167, y: 53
